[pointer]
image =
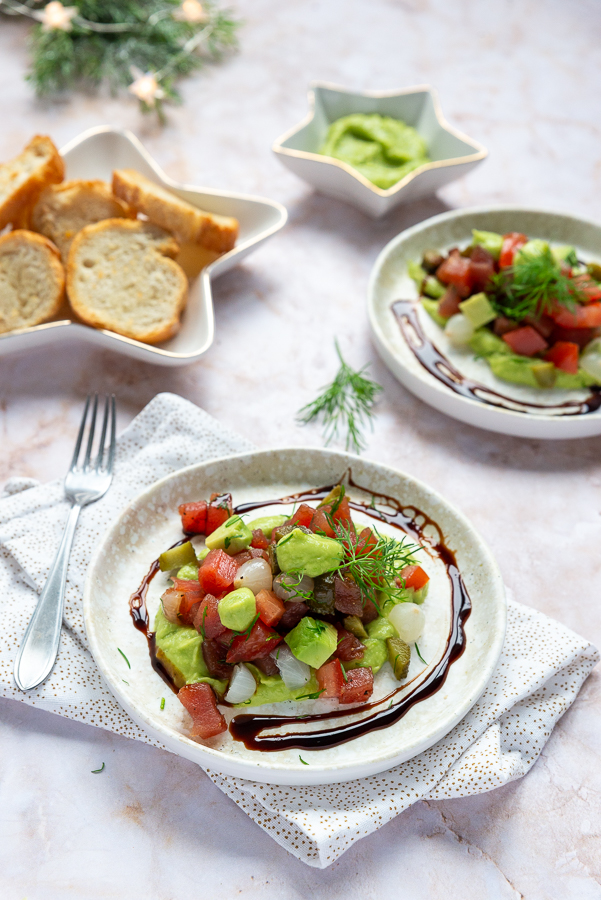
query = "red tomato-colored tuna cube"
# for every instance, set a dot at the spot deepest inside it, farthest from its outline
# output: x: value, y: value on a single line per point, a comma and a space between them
x: 259, y: 540
x: 347, y: 597
x: 588, y: 316
x: 580, y: 336
x: 293, y: 613
x: 449, y: 302
x: 219, y: 511
x: 194, y: 517
x: 206, y: 620
x: 482, y: 268
x: 587, y: 288
x: 330, y: 678
x: 414, y: 577
x: 270, y: 608
x: 358, y: 686
x: 456, y: 270
x: 511, y: 244
x: 564, y: 356
x: 303, y: 516
x: 201, y: 703
x: 348, y: 646
x: 214, y: 656
x: 217, y: 572
x: 526, y: 341
x: 192, y: 595
x: 321, y: 522
x: 260, y: 642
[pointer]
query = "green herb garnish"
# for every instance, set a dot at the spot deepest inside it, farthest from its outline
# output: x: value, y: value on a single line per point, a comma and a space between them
x: 302, y: 760
x: 347, y: 403
x: 420, y: 656
x: 97, y: 771
x: 532, y: 286
x: 124, y: 656
x: 312, y: 696
x: 250, y: 627
x: 162, y: 703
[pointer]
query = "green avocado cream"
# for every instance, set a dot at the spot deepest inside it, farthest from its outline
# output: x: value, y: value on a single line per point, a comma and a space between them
x: 381, y: 148
x: 179, y: 650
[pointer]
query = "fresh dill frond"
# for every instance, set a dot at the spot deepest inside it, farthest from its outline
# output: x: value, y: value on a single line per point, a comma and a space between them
x: 532, y: 286
x: 344, y: 405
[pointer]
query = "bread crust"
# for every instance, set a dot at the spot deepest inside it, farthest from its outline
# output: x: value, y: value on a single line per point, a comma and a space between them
x: 11, y: 243
x: 159, y: 253
x: 187, y: 222
x: 64, y: 209
x: 23, y: 178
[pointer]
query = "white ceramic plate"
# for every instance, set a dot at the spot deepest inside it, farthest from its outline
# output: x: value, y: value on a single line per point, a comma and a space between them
x: 452, y: 153
x: 151, y: 523
x: 94, y: 154
x: 389, y: 282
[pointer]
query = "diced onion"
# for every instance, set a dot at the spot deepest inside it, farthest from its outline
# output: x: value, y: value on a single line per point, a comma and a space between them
x: 254, y: 574
x: 242, y: 685
x: 295, y: 674
x: 590, y: 360
x: 288, y: 587
x: 171, y: 601
x: 459, y: 330
x: 409, y: 621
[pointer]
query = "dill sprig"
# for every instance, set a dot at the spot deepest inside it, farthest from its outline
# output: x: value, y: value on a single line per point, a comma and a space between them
x: 347, y: 403
x: 532, y: 286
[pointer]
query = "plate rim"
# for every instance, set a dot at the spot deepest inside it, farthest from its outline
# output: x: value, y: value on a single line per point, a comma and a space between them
x: 333, y: 773
x: 466, y: 409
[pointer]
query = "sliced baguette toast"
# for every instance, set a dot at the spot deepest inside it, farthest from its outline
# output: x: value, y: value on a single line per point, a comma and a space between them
x: 186, y: 222
x: 119, y: 277
x: 32, y: 280
x: 64, y: 209
x: 24, y: 177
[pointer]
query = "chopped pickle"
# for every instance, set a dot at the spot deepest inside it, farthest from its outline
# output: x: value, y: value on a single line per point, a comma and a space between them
x: 594, y: 269
x: 544, y: 373
x: 177, y: 557
x: 431, y: 260
x: 322, y: 599
x: 355, y: 626
x: 399, y: 656
x: 334, y: 498
x: 478, y: 309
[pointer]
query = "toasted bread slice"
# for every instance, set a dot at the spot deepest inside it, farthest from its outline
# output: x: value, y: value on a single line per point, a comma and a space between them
x: 186, y: 222
x: 32, y: 280
x: 24, y: 177
x: 64, y: 209
x: 119, y: 278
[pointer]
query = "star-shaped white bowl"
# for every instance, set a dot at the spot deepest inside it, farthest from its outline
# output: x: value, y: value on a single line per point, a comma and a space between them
x: 94, y: 154
x: 452, y: 153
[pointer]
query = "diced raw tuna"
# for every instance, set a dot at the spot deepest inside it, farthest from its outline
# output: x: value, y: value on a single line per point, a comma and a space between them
x: 219, y: 511
x: 348, y: 647
x: 270, y: 608
x: 330, y: 678
x: 482, y: 268
x: 347, y: 597
x: 194, y: 517
x: 214, y: 656
x: 260, y: 642
x: 370, y: 612
x: 200, y: 701
x: 259, y: 541
x: 293, y: 613
x: 206, y: 620
x: 456, y: 270
x: 217, y: 572
x: 267, y: 665
x: 358, y: 687
x: 303, y: 516
x: 449, y: 302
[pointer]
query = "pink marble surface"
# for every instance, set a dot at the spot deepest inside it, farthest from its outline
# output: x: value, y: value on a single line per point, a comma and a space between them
x: 523, y: 79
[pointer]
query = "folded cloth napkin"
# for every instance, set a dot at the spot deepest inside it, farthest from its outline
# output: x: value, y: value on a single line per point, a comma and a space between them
x: 538, y: 676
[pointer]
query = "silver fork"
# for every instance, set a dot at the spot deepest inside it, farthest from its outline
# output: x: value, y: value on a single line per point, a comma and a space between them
x: 83, y: 484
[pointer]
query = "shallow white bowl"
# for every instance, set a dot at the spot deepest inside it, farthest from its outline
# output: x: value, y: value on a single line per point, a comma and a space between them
x: 94, y: 154
x: 151, y: 523
x: 389, y: 281
x: 452, y: 153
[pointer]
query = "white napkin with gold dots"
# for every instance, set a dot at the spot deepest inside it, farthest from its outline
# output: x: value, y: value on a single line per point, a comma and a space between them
x: 538, y: 676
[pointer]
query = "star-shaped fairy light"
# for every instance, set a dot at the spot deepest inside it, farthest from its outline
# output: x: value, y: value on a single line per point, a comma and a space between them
x: 56, y: 17
x: 145, y: 87
x: 191, y: 11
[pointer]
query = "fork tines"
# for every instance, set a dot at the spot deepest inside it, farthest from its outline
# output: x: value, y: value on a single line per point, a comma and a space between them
x: 105, y: 454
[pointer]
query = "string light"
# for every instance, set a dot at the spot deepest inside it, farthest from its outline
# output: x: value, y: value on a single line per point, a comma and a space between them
x: 55, y: 16
x: 145, y: 87
x: 191, y: 11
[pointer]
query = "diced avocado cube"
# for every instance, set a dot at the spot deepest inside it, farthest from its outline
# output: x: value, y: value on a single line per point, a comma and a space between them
x: 433, y: 287
x: 565, y: 253
x: 490, y: 240
x: 355, y: 626
x: 431, y: 307
x: 202, y: 553
x: 535, y: 247
x: 177, y: 557
x: 267, y: 524
x: 420, y: 595
x: 374, y: 655
x: 188, y: 572
x: 399, y: 656
x: 309, y: 554
x: 238, y: 609
x: 312, y: 641
x: 381, y: 628
x: 416, y: 272
x: 478, y: 309
x: 233, y: 536
x: 484, y: 343
x: 544, y: 373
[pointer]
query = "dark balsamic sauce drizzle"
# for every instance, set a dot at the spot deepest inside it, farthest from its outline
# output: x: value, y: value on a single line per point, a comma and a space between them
x: 441, y: 368
x: 247, y: 727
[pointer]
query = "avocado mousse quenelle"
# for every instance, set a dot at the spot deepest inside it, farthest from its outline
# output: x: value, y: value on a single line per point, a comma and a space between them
x: 381, y: 148
x: 284, y: 607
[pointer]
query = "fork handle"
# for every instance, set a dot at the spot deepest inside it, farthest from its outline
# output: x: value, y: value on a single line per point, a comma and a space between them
x: 39, y: 647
